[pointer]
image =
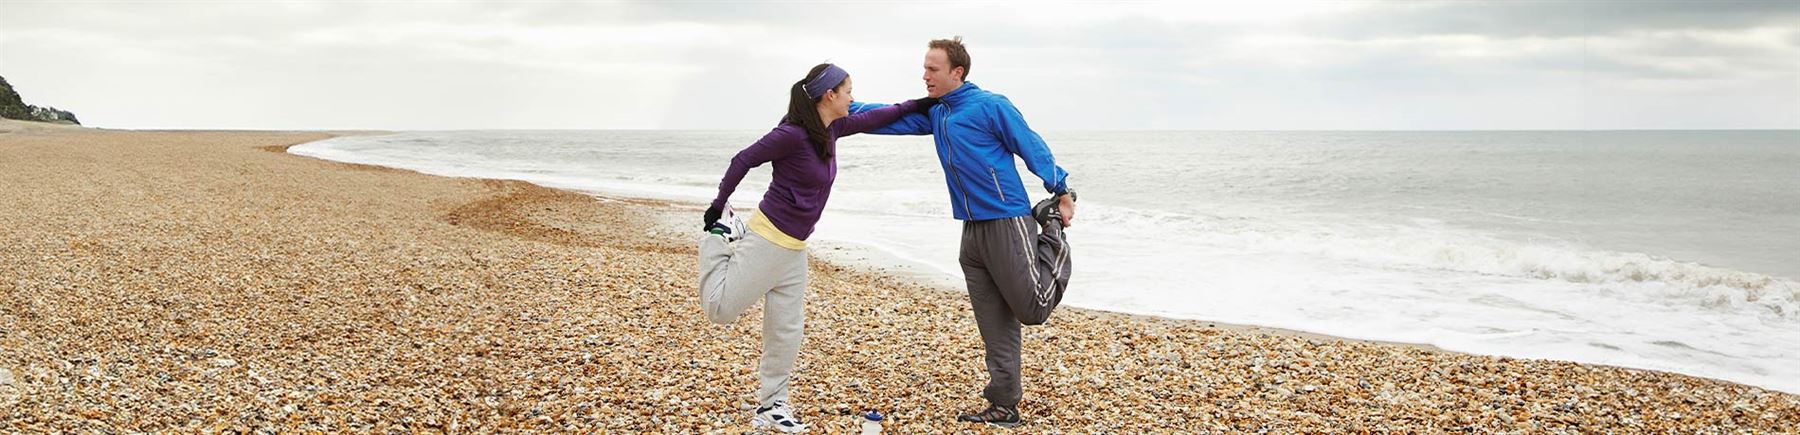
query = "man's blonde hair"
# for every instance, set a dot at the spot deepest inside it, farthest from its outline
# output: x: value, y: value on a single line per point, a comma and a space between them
x: 953, y: 48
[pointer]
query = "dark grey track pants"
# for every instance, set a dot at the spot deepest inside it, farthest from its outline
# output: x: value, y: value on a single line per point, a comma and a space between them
x: 1017, y: 275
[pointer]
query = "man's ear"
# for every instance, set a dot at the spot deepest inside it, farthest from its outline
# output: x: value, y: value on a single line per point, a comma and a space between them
x: 960, y: 72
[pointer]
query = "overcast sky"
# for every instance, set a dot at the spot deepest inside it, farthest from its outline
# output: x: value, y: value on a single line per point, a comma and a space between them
x: 1067, y: 65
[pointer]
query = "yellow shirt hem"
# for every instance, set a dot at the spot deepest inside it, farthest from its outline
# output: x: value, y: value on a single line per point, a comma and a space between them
x: 762, y: 227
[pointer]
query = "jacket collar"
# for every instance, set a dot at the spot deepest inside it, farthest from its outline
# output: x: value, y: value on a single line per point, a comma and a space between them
x: 962, y: 93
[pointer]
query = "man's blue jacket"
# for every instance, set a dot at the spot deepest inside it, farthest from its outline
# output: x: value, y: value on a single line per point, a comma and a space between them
x: 977, y: 134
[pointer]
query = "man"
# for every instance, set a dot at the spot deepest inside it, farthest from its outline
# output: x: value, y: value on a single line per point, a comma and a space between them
x: 1014, y: 256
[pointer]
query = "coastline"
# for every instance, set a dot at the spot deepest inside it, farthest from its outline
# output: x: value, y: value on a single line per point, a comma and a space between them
x: 199, y: 280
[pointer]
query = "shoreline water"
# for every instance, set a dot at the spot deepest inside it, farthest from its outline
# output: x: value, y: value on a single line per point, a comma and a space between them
x: 213, y: 281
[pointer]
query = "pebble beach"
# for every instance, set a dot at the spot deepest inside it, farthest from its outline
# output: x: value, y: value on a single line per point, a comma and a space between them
x: 208, y: 281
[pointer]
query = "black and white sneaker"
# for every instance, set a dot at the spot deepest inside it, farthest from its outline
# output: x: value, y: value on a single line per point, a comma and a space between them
x: 1002, y: 416
x: 780, y: 417
x: 1046, y: 211
x: 729, y: 226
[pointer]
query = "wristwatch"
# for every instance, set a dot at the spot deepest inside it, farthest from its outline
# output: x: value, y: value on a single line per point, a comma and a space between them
x: 1072, y: 196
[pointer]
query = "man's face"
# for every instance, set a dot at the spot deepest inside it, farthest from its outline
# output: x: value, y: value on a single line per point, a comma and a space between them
x: 939, y: 79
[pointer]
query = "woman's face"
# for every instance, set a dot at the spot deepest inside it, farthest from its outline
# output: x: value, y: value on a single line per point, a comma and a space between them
x: 837, y: 101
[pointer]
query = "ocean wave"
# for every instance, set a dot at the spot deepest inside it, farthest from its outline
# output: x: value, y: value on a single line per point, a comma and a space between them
x: 1436, y: 246
x: 1709, y: 286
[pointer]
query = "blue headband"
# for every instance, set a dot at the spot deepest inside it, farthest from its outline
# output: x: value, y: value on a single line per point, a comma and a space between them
x: 827, y: 80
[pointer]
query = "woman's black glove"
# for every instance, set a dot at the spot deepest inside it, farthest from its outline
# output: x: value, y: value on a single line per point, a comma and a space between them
x: 923, y: 105
x: 712, y: 215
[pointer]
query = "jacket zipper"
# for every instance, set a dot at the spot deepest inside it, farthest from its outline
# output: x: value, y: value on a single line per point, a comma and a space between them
x: 950, y: 152
x: 996, y: 178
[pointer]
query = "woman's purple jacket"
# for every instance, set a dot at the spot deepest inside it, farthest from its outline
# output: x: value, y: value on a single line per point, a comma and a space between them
x: 802, y: 181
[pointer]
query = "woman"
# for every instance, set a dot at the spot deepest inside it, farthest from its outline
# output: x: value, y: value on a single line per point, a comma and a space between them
x: 768, y: 261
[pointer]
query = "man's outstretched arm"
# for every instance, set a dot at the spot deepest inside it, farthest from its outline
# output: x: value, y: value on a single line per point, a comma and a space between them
x: 911, y: 124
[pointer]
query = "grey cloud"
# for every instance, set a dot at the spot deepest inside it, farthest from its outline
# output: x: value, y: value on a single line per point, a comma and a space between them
x: 1382, y: 66
x: 1555, y: 18
x: 1664, y: 40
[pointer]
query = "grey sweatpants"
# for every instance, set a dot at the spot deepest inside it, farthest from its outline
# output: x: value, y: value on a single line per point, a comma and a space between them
x: 1016, y: 276
x: 734, y: 276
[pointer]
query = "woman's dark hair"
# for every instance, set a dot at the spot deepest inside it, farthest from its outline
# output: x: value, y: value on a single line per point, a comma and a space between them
x: 803, y: 111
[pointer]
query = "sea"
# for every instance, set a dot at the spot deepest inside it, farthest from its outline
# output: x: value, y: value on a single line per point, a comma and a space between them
x: 1667, y: 250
